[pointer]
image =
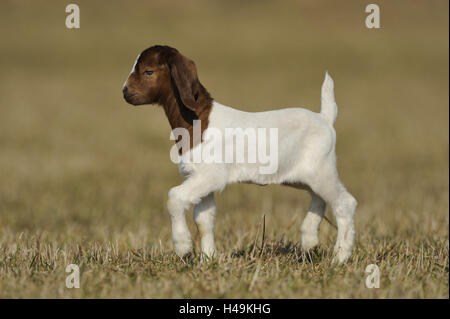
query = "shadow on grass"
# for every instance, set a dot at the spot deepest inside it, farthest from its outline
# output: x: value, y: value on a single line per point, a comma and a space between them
x: 280, y: 248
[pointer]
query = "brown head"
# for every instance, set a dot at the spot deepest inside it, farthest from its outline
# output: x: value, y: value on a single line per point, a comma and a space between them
x: 162, y: 75
x: 160, y: 71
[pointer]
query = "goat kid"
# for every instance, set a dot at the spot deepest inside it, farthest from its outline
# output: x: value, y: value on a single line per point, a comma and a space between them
x: 306, y: 151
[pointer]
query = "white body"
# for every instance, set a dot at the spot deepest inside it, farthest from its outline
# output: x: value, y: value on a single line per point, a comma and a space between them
x: 306, y: 159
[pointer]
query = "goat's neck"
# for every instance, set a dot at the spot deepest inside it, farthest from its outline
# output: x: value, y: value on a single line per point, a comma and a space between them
x: 179, y: 116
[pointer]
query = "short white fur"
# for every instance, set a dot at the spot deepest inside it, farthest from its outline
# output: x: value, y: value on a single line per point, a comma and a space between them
x: 306, y: 160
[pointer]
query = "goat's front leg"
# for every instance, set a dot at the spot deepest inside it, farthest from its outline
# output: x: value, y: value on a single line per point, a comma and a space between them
x: 181, y: 237
x: 192, y: 191
x: 204, y: 213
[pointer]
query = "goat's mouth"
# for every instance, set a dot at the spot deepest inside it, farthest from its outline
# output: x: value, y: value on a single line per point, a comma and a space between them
x: 132, y: 99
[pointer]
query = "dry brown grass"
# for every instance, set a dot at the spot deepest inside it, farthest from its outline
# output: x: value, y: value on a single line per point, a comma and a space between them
x: 84, y: 177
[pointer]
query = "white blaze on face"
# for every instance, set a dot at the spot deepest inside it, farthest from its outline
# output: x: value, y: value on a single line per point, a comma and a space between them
x: 132, y: 70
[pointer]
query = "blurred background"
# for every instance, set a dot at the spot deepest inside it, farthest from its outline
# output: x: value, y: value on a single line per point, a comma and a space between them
x: 78, y: 165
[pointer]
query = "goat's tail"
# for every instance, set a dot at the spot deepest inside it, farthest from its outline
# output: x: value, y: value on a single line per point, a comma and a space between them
x: 328, y: 107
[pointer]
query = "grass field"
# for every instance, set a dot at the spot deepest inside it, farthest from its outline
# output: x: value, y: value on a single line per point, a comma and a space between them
x: 84, y: 176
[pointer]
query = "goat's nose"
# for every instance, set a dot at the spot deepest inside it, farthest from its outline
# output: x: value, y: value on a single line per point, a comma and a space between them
x: 125, y: 91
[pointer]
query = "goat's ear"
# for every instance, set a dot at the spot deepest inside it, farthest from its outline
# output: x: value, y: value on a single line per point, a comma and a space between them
x: 184, y: 75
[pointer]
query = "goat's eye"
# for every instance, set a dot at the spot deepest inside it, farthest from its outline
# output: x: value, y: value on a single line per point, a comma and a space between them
x: 148, y: 72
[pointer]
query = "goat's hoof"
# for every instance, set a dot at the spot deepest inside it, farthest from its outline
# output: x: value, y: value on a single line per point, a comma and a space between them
x: 309, y: 241
x: 183, y: 248
x: 207, y: 257
x: 341, y: 255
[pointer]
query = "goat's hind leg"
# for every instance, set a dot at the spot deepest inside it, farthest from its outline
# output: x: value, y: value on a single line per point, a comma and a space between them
x: 328, y: 186
x: 310, y: 226
x: 344, y: 209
